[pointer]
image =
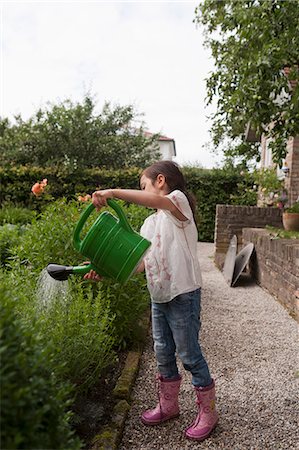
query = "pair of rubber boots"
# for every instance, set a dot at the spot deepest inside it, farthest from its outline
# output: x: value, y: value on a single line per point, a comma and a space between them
x: 168, y: 408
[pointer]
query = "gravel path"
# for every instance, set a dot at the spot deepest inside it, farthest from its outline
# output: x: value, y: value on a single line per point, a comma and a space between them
x: 251, y: 344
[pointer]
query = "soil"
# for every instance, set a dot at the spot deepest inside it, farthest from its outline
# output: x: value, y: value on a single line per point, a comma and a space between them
x: 93, y: 409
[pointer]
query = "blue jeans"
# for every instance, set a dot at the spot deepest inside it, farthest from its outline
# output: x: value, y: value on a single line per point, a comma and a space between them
x: 176, y: 326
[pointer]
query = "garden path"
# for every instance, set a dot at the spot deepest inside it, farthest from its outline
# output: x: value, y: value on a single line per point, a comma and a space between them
x: 251, y: 344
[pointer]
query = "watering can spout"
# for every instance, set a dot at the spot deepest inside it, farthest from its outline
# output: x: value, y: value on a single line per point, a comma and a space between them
x: 59, y: 272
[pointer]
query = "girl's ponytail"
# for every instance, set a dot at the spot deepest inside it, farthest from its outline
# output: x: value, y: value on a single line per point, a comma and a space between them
x: 173, y: 177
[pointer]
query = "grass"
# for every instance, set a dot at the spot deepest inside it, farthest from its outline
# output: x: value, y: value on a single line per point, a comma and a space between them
x: 280, y: 233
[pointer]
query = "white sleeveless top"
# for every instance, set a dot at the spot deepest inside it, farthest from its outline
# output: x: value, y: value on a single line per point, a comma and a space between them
x: 171, y: 264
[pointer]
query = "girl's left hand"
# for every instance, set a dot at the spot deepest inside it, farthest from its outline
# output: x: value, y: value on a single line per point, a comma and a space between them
x: 99, y: 198
x: 93, y: 276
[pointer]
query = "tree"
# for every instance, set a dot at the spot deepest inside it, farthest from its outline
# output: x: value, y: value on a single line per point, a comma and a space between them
x: 255, y: 46
x: 71, y: 134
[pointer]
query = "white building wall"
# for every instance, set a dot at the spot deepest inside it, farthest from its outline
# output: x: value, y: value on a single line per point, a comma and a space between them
x: 166, y: 149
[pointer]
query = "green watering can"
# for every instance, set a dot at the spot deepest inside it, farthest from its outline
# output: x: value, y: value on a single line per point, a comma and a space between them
x: 113, y: 248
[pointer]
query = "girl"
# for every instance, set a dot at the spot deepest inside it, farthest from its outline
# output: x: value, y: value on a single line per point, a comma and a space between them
x: 174, y: 282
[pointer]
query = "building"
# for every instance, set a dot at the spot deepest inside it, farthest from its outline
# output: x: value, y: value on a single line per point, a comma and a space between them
x: 166, y: 146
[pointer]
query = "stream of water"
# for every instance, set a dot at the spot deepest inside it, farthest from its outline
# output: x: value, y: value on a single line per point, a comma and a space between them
x: 49, y: 290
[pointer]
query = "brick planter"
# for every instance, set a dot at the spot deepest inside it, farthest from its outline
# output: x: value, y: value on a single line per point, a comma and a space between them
x: 275, y: 266
x: 231, y: 220
x: 275, y: 263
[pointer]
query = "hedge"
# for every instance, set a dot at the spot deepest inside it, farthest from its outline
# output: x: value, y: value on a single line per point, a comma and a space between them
x: 210, y: 187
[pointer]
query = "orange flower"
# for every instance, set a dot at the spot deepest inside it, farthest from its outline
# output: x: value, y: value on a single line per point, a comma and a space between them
x: 85, y: 198
x: 38, y: 188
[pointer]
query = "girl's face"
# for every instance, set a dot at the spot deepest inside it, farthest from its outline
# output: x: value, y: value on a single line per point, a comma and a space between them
x: 147, y: 185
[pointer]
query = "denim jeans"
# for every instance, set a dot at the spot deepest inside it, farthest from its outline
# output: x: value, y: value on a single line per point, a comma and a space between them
x: 176, y: 326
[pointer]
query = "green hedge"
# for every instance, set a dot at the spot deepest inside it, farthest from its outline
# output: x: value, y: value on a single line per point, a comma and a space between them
x: 210, y: 187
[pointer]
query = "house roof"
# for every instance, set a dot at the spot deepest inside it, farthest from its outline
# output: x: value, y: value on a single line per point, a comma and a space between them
x: 161, y: 138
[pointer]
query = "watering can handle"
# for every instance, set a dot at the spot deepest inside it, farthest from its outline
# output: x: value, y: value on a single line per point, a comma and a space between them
x: 86, y: 213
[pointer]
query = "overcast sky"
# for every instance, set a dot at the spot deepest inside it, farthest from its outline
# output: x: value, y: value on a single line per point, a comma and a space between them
x: 149, y: 54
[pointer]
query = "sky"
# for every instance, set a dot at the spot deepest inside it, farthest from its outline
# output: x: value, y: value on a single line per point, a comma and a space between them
x: 147, y: 54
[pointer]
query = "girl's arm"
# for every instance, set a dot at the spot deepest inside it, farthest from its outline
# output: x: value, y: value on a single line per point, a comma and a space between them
x: 140, y: 267
x: 148, y: 199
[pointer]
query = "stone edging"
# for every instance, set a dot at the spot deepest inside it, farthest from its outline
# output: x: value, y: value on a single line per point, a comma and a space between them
x: 111, y: 435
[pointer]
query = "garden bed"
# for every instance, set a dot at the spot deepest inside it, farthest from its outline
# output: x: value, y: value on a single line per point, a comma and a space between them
x: 71, y: 350
x: 93, y: 410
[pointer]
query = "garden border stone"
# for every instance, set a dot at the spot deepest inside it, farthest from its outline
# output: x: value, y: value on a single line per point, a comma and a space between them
x: 110, y: 437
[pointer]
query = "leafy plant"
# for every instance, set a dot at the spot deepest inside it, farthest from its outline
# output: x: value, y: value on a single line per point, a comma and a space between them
x: 81, y: 329
x: 127, y: 305
x: 280, y: 233
x: 293, y: 209
x: 255, y: 46
x: 15, y: 215
x: 272, y: 191
x: 94, y: 319
x: 71, y: 135
x: 33, y: 401
x: 9, y: 236
x: 210, y: 187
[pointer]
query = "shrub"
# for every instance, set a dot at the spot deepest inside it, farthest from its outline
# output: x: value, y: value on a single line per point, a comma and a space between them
x: 127, y: 304
x: 16, y: 215
x: 9, y: 236
x: 81, y: 329
x: 33, y: 401
x: 211, y: 187
x: 293, y: 209
x: 49, y: 238
x: 93, y: 319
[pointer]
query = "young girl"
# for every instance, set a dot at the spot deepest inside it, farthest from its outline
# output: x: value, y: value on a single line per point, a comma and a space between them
x: 174, y: 282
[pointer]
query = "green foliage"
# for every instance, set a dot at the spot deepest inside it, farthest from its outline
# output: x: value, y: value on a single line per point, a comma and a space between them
x: 33, y: 401
x: 70, y: 336
x: 80, y: 327
x: 217, y: 186
x: 252, y: 43
x: 127, y: 304
x: 267, y: 179
x: 210, y: 187
x: 135, y: 214
x: 16, y: 183
x: 279, y: 233
x: 71, y: 135
x: 92, y: 319
x: 271, y: 188
x: 15, y: 215
x: 9, y: 236
x: 294, y: 208
x: 49, y: 238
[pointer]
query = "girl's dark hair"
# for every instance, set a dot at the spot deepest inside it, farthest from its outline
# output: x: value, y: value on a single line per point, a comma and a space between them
x: 173, y: 177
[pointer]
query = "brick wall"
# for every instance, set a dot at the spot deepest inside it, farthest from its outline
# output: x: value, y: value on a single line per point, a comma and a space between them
x: 292, y: 160
x: 231, y: 220
x: 275, y: 266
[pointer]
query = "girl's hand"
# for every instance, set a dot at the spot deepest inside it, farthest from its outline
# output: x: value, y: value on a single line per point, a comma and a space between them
x: 93, y: 276
x: 99, y: 198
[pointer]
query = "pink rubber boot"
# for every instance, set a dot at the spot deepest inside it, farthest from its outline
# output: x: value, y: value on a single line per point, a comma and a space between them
x: 168, y: 406
x: 207, y: 417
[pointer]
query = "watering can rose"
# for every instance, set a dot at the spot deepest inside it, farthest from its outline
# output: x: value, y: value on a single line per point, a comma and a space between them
x: 38, y: 188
